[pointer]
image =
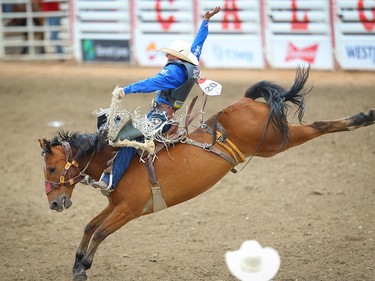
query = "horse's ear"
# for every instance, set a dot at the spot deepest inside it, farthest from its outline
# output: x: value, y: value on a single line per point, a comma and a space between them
x: 41, y: 143
x: 45, y: 144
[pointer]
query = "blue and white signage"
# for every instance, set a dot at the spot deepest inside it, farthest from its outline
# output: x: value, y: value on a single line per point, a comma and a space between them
x: 357, y: 54
x: 238, y: 52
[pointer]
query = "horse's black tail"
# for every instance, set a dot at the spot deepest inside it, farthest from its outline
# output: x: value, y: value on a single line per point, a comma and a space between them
x: 276, y: 96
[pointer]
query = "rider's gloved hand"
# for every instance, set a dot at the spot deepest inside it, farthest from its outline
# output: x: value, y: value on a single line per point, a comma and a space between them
x: 118, y: 92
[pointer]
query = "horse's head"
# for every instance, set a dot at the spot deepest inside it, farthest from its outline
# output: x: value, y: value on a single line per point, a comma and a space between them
x: 61, y: 174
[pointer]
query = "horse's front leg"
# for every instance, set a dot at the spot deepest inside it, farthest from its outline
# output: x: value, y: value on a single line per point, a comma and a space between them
x: 88, y: 231
x: 118, y: 218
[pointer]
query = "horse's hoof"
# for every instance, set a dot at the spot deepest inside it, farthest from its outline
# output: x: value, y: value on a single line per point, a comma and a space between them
x: 371, y: 114
x: 80, y: 276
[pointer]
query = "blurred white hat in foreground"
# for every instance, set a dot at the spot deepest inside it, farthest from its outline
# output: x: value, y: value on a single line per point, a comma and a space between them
x: 252, y: 262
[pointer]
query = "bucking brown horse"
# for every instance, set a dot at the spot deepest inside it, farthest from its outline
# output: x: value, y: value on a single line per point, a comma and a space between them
x: 247, y: 128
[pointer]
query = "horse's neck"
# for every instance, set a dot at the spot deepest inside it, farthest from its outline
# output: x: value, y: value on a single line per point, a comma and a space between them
x: 99, y: 162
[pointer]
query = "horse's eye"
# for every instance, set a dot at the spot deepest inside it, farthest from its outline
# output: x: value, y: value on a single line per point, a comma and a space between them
x: 52, y: 170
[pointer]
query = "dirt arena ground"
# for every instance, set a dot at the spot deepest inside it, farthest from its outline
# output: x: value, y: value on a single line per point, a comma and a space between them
x: 314, y: 203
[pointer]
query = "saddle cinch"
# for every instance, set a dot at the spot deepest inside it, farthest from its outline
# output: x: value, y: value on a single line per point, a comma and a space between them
x: 158, y: 130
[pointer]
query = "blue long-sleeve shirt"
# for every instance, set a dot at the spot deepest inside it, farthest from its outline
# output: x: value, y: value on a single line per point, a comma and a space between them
x: 172, y: 75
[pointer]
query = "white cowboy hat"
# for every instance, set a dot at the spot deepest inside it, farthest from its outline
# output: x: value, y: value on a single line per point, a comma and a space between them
x: 181, y: 50
x: 252, y: 262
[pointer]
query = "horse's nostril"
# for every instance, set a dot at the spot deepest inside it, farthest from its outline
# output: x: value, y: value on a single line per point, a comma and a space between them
x: 66, y: 202
x: 54, y: 205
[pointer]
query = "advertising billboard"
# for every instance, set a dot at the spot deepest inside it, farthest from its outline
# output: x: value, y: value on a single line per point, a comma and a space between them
x: 105, y: 50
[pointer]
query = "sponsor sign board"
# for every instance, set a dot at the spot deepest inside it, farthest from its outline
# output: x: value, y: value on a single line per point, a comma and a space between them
x: 238, y: 52
x: 292, y: 51
x: 105, y: 50
x: 354, y: 26
x: 357, y: 53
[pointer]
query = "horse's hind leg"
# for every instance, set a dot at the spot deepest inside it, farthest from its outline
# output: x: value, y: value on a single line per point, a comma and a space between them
x: 118, y: 218
x: 299, y: 134
x: 90, y: 228
x: 346, y: 124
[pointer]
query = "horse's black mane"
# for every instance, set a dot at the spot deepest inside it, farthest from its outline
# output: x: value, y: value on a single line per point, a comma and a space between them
x: 84, y: 143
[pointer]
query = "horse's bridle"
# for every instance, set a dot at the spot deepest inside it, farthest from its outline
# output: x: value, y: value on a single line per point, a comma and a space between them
x: 70, y: 167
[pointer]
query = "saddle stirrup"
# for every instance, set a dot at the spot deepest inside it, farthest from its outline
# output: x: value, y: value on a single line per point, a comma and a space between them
x: 110, y: 180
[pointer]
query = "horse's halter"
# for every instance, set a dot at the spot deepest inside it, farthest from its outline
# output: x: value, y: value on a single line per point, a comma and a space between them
x: 70, y: 166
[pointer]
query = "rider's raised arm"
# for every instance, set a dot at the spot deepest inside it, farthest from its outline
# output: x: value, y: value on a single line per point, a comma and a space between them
x: 197, y: 46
